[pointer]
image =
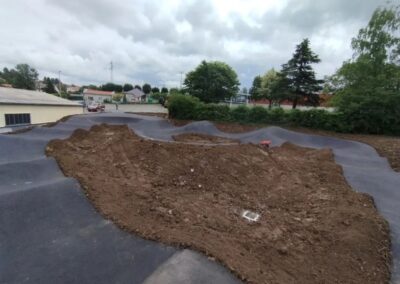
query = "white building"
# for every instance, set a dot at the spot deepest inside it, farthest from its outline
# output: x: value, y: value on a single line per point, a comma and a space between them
x: 135, y: 96
x: 24, y: 107
x: 96, y: 96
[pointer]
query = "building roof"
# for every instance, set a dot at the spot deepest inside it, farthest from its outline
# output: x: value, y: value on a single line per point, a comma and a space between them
x: 28, y: 97
x: 97, y: 92
x: 135, y: 92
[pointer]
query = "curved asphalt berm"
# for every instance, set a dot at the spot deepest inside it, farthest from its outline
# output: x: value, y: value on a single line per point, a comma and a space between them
x: 49, y: 233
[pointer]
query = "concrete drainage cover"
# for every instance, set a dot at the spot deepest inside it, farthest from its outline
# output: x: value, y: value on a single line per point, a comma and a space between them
x: 250, y: 216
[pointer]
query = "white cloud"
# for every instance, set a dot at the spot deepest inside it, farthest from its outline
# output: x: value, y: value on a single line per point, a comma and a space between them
x: 153, y: 41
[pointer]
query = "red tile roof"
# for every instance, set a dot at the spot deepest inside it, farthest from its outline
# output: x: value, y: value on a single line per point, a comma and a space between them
x: 97, y: 92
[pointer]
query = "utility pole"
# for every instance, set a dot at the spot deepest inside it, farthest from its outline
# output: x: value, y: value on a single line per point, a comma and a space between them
x: 111, y: 71
x: 181, y: 79
x: 59, y: 82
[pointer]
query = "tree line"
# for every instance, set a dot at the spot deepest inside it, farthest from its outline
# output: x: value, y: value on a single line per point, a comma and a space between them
x: 26, y: 77
x: 111, y: 87
x: 365, y: 90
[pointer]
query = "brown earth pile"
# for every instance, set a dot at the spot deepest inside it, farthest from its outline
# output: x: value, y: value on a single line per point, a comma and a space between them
x: 386, y: 146
x: 203, y: 139
x: 313, y: 227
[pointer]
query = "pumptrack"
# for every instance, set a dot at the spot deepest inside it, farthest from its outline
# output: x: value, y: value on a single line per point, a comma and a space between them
x: 50, y: 233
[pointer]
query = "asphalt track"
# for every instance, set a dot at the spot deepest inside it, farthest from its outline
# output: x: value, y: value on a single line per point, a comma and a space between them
x: 50, y: 233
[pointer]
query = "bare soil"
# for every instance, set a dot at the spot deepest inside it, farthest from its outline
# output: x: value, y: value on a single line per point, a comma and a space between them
x: 203, y: 139
x: 386, y: 146
x: 313, y: 228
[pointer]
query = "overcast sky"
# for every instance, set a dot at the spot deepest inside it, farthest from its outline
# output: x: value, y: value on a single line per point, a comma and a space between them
x: 153, y: 41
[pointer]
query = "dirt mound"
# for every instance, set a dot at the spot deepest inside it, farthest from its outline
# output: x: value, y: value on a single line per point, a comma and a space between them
x: 203, y: 139
x: 312, y: 229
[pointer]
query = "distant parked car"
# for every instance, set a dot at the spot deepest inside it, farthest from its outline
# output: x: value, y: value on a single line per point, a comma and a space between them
x: 95, y: 107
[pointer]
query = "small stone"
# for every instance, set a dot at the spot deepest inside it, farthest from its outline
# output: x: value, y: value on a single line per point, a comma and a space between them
x: 192, y: 170
x: 346, y: 222
x: 200, y: 186
x: 283, y: 250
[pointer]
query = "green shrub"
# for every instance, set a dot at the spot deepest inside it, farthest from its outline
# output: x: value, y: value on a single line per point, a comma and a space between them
x: 213, y: 112
x: 183, y: 106
x: 376, y: 115
x: 294, y: 117
x: 277, y: 115
x: 373, y: 114
x: 258, y: 114
x: 240, y: 113
x: 314, y: 118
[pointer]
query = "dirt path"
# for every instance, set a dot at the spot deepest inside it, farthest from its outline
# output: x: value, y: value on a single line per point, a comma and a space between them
x: 313, y: 228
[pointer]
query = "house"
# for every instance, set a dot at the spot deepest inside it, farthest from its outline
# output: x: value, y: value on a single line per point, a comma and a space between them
x: 72, y: 89
x: 96, y: 96
x: 135, y: 96
x: 23, y: 107
x: 241, y: 98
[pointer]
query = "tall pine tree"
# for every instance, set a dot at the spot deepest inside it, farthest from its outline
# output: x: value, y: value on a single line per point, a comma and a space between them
x: 301, y: 76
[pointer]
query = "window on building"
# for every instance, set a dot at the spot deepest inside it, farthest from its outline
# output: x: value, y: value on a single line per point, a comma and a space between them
x: 17, y: 118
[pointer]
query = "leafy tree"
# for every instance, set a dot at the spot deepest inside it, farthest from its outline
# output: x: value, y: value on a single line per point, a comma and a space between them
x: 212, y: 82
x: 146, y: 89
x: 111, y: 87
x: 117, y: 97
x: 49, y: 86
x: 138, y: 87
x: 368, y: 85
x: 22, y: 77
x: 244, y: 90
x: 175, y: 91
x: 155, y: 90
x: 2, y: 81
x: 26, y: 77
x: 301, y: 76
x: 124, y: 99
x: 164, y: 90
x: 127, y: 87
x: 257, y: 82
x: 269, y: 87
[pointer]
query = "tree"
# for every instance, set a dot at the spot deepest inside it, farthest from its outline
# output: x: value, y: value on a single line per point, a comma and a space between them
x: 301, y: 76
x: 174, y: 91
x: 155, y: 90
x: 127, y: 87
x: 124, y: 99
x: 244, y: 90
x: 271, y: 87
x: 368, y: 86
x: 49, y: 86
x: 146, y: 89
x: 255, y: 87
x: 164, y: 90
x: 212, y: 82
x: 111, y: 87
x: 138, y: 87
x: 22, y: 77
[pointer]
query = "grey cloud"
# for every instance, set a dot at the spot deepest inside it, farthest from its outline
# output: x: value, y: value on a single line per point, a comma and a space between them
x: 143, y: 39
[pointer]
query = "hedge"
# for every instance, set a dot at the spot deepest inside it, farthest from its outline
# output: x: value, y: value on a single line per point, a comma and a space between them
x: 374, y: 117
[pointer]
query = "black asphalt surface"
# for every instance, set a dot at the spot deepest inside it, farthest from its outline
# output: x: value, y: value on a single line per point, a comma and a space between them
x: 50, y: 233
